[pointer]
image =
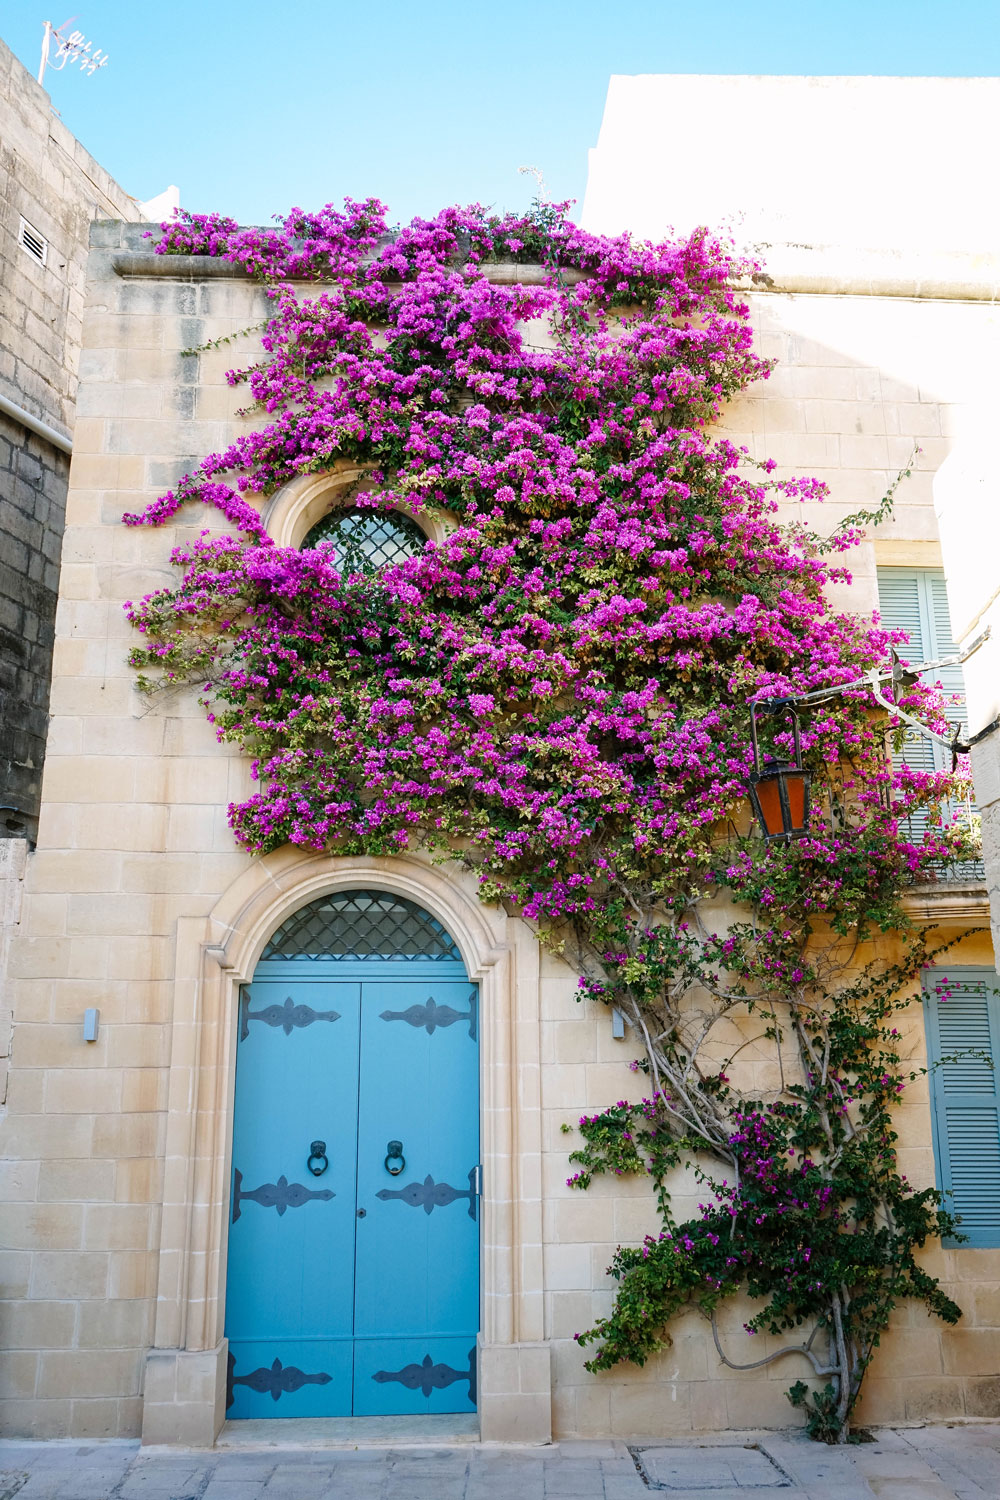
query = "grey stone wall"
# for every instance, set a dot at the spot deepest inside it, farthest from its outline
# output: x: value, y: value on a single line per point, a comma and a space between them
x: 33, y: 477
x: 47, y: 178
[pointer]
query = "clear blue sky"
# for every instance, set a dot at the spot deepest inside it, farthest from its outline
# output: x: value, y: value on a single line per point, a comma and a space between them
x: 254, y: 107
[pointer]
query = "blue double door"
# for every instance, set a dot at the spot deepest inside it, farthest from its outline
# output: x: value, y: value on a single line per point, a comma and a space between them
x: 353, y: 1284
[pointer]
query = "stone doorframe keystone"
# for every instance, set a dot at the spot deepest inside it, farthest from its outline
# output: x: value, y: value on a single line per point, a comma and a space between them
x: 185, y: 1382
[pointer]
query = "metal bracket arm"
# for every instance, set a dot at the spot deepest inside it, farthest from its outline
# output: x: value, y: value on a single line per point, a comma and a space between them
x: 872, y: 681
x: 956, y: 746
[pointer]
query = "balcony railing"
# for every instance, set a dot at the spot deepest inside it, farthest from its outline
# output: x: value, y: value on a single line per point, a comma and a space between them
x: 964, y: 872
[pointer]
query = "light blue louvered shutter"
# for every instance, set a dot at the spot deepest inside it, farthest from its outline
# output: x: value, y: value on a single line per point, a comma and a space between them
x: 952, y: 679
x: 963, y: 1035
x: 916, y: 600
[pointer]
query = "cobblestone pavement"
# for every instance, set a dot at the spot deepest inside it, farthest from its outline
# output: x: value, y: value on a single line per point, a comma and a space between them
x: 931, y: 1463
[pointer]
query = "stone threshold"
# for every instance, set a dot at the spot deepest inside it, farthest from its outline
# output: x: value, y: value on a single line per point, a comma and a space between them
x: 433, y: 1430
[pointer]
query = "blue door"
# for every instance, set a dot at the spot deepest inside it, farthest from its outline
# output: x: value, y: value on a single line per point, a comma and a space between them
x: 353, y: 1282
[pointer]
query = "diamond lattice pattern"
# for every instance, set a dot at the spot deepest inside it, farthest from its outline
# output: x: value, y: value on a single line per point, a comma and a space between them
x: 366, y: 540
x: 361, y: 924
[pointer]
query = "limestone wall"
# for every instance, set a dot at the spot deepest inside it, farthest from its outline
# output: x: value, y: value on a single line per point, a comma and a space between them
x: 48, y: 179
x: 137, y: 901
x: 967, y: 500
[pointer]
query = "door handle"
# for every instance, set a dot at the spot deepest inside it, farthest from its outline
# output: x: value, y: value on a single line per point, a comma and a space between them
x: 317, y: 1162
x: 395, y: 1161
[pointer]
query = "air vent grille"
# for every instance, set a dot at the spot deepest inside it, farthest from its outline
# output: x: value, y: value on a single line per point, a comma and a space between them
x: 34, y: 243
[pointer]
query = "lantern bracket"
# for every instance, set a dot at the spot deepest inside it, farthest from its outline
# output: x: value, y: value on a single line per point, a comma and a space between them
x: 898, y: 676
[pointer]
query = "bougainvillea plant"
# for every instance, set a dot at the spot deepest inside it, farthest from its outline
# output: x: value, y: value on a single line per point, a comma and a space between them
x: 556, y: 694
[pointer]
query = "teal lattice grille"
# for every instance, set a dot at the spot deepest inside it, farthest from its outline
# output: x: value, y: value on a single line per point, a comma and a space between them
x: 361, y: 924
x: 366, y: 540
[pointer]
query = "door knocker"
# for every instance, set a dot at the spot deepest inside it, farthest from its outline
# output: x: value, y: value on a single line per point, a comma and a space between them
x: 317, y: 1162
x: 395, y: 1161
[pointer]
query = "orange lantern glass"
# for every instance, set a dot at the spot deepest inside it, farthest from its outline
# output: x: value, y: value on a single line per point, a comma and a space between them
x: 779, y: 789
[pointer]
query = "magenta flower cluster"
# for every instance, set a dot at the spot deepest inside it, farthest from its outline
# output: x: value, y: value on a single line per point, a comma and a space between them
x: 560, y: 688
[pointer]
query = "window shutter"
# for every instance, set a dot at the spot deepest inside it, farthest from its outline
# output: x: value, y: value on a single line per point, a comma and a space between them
x: 965, y: 1096
x: 916, y: 600
x: 951, y: 679
x: 899, y: 604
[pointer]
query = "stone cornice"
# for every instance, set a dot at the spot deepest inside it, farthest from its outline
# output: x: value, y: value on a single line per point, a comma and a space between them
x: 844, y: 271
x: 138, y: 264
x: 789, y: 270
x: 948, y: 902
x: 986, y: 289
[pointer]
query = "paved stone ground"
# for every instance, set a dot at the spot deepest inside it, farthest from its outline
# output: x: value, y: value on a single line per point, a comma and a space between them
x: 931, y: 1463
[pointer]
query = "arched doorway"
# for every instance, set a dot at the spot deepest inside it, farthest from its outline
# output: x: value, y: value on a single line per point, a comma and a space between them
x: 353, y: 1281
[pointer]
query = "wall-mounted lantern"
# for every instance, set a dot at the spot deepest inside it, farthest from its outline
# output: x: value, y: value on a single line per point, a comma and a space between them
x: 779, y: 789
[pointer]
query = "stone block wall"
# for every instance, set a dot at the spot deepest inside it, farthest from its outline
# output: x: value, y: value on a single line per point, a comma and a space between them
x: 967, y: 501
x: 33, y: 478
x: 923, y: 1371
x: 134, y: 855
x: 50, y: 180
x: 132, y: 836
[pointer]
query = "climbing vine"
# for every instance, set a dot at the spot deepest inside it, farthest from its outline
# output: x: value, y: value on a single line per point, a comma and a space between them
x: 557, y: 694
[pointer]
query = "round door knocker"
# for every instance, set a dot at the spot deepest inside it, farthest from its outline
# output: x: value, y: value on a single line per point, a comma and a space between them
x: 317, y: 1162
x: 395, y: 1161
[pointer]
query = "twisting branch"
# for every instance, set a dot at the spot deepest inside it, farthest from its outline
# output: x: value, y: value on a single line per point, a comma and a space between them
x: 806, y: 1349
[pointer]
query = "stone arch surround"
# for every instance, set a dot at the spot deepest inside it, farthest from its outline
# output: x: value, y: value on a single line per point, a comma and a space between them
x: 299, y: 504
x: 185, y: 1370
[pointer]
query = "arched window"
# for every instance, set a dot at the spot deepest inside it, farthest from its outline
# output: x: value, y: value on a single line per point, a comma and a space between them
x: 366, y: 540
x: 361, y: 924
